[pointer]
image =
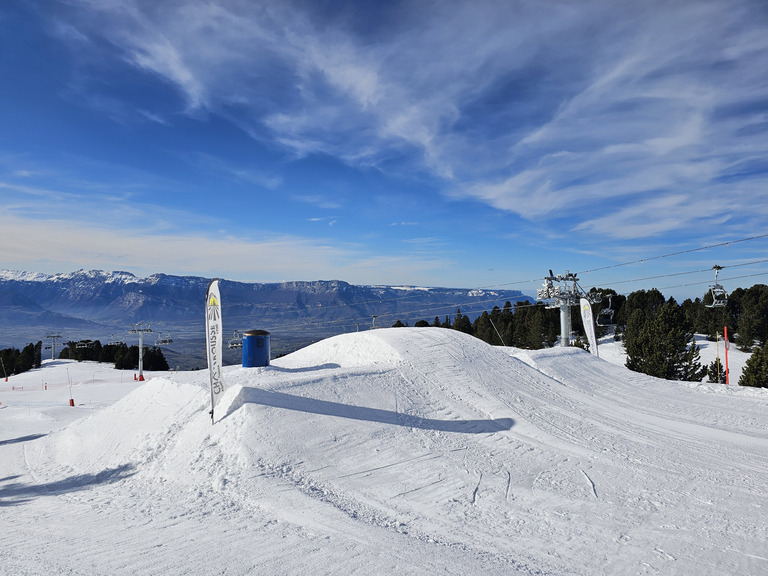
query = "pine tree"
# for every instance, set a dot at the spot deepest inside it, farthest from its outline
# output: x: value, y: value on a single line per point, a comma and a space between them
x: 753, y: 323
x: 38, y: 354
x: 483, y: 329
x: 638, y: 342
x: 127, y: 358
x: 462, y: 323
x: 716, y: 372
x: 26, y: 359
x: 154, y: 359
x: 755, y: 371
x: 659, y: 345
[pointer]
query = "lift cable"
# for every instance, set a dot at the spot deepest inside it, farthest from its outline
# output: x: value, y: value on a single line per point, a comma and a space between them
x: 642, y: 260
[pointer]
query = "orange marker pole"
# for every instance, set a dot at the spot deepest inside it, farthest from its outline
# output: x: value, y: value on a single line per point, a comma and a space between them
x: 727, y: 345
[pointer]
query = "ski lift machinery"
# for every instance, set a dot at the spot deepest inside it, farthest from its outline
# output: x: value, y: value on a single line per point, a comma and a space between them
x: 719, y: 295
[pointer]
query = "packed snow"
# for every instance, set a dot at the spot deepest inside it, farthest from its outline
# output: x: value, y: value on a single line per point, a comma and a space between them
x: 392, y: 451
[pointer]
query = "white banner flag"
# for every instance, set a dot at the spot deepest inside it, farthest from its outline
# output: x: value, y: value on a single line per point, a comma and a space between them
x: 213, y: 338
x: 589, y: 325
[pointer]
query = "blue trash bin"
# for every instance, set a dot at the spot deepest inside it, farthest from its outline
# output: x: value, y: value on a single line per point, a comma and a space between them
x: 256, y: 348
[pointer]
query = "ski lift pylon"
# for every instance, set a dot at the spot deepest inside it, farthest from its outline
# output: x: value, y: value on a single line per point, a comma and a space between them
x: 719, y: 295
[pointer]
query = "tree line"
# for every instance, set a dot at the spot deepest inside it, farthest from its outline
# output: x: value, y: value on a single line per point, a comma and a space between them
x: 657, y: 333
x: 121, y: 355
x: 15, y: 361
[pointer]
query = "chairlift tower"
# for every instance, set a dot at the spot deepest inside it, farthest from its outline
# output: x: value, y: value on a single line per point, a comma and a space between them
x: 565, y: 294
x: 141, y: 329
x: 53, y: 337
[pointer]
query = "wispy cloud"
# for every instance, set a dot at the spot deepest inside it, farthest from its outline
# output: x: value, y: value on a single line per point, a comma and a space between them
x: 262, y: 178
x: 544, y: 109
x: 318, y: 200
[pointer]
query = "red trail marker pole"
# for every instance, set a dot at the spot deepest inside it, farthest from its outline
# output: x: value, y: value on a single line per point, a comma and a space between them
x: 727, y: 345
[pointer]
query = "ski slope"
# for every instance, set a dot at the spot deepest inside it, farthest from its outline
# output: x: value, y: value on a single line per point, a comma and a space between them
x: 398, y: 451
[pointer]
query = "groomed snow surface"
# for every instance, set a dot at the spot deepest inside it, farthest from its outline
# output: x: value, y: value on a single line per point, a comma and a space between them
x: 395, y: 451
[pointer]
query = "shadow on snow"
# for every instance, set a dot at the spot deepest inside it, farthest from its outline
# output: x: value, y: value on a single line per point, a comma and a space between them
x: 21, y: 439
x: 326, y: 408
x: 15, y: 493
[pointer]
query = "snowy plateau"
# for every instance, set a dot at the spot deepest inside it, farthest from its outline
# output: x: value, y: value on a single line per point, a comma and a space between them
x: 394, y: 451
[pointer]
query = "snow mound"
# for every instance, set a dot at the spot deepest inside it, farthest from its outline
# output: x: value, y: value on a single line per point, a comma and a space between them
x: 345, y: 350
x: 125, y: 434
x: 408, y: 451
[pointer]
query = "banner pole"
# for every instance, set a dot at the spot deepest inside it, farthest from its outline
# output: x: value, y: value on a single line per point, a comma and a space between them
x: 213, y: 339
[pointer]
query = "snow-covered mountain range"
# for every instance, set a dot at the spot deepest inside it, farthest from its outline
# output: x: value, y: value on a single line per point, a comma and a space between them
x: 96, y: 304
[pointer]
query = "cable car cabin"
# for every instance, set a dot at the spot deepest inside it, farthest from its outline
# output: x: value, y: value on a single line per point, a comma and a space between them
x: 719, y: 296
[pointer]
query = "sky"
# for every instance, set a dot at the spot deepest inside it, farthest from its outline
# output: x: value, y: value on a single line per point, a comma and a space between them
x: 441, y: 143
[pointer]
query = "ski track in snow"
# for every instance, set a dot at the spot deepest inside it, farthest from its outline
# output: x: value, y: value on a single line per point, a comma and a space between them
x: 413, y: 451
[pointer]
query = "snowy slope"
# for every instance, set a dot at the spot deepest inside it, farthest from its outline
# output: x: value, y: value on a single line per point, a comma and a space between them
x: 406, y: 451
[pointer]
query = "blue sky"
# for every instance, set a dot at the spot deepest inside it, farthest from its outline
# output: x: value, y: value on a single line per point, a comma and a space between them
x: 465, y: 144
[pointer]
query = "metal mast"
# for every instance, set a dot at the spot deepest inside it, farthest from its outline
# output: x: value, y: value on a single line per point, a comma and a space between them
x: 53, y: 337
x: 140, y: 329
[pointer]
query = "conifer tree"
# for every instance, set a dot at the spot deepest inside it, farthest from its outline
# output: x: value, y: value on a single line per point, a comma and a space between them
x: 26, y: 359
x: 483, y: 329
x: 154, y: 359
x: 657, y: 344
x: 755, y: 371
x: 716, y: 372
x: 753, y: 323
x: 462, y: 323
x: 39, y: 354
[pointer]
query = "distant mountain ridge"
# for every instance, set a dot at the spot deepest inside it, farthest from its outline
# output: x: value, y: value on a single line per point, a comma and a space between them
x: 94, y: 304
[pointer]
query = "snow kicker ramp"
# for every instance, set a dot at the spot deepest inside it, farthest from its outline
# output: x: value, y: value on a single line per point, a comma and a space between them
x: 407, y: 451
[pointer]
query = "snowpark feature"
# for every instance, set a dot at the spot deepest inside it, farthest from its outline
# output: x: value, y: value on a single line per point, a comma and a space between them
x: 394, y: 451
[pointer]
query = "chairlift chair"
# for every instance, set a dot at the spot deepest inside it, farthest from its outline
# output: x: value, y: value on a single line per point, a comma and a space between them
x: 719, y: 295
x: 236, y: 341
x: 605, y: 316
x: 163, y: 340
